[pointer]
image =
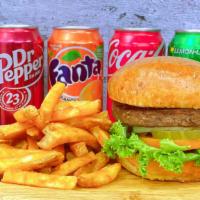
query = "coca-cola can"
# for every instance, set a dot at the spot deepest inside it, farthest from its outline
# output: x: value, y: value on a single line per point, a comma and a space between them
x: 21, y: 69
x: 130, y: 44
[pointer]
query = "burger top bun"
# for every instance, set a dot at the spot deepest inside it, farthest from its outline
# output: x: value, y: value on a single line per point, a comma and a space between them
x: 159, y: 82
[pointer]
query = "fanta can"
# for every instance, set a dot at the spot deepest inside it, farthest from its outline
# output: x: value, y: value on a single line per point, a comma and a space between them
x: 75, y: 57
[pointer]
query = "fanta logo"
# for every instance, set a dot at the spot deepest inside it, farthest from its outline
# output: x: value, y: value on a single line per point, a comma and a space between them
x: 118, y: 59
x: 73, y: 68
x: 20, y: 66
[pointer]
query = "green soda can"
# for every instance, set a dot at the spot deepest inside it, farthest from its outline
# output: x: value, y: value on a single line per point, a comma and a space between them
x: 186, y: 44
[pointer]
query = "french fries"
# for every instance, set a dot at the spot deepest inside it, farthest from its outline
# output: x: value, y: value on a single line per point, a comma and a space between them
x: 4, y: 141
x: 26, y: 115
x: 100, y: 135
x: 21, y: 144
x: 70, y: 156
x: 32, y: 143
x: 100, y: 119
x: 73, y: 164
x: 50, y: 102
x: 78, y: 149
x: 13, y: 131
x: 30, y: 162
x: 39, y: 122
x: 7, y: 151
x: 100, y: 162
x: 39, y: 179
x: 34, y: 132
x: 46, y: 145
x: 61, y: 149
x: 67, y: 113
x: 101, y: 177
x: 45, y: 170
x: 58, y: 133
x: 69, y: 109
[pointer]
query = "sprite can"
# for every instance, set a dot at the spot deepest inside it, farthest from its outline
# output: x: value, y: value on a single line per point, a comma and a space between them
x: 185, y: 43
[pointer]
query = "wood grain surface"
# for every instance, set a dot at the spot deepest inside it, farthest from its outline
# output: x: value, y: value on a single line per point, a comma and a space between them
x: 126, y: 187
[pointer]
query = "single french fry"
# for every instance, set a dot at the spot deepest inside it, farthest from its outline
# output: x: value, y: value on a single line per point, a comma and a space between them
x: 39, y: 122
x: 99, y: 178
x: 34, y: 132
x: 69, y: 156
x: 81, y: 108
x: 61, y: 149
x: 101, y: 119
x: 50, y: 101
x: 26, y: 115
x: 7, y: 151
x: 72, y: 165
x: 39, y: 179
x: 79, y: 148
x: 3, y: 141
x: 45, y: 170
x: 100, y: 162
x: 32, y: 143
x: 30, y: 162
x: 58, y: 133
x: 5, y: 146
x: 13, y: 131
x: 100, y: 134
x: 21, y: 144
x: 67, y: 113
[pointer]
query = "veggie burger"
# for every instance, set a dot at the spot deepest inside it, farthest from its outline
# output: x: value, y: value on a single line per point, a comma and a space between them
x: 157, y: 104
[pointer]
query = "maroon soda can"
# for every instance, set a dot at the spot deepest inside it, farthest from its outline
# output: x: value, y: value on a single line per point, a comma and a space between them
x: 21, y: 69
x: 130, y: 44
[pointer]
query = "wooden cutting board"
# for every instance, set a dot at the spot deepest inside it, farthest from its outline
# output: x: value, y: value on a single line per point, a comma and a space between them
x: 126, y: 187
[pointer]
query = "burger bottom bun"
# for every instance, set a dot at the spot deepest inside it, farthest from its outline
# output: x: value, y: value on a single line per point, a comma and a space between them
x: 190, y: 172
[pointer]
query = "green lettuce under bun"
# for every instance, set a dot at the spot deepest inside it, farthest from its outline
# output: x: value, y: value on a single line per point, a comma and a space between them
x: 169, y: 156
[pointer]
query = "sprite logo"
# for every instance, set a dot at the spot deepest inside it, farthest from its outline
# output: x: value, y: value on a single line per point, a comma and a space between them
x: 171, y: 50
x: 181, y: 51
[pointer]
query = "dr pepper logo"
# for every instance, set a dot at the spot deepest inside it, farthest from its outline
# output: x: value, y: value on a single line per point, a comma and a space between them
x: 19, y: 71
x: 78, y: 67
x: 20, y: 67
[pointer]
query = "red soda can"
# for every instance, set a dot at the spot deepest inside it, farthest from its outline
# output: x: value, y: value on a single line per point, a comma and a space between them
x: 129, y: 44
x: 21, y: 69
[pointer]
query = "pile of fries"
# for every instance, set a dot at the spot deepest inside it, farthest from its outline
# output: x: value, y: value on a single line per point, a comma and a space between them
x: 58, y: 145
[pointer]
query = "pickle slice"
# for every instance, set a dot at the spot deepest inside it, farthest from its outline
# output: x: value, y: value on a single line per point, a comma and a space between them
x: 170, y: 132
x: 177, y: 135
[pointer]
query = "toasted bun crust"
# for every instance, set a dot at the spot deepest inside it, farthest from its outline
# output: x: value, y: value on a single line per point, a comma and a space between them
x: 155, y: 172
x: 163, y: 82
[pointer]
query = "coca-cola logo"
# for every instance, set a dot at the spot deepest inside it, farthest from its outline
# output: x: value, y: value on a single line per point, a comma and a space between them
x: 20, y: 66
x: 119, y: 58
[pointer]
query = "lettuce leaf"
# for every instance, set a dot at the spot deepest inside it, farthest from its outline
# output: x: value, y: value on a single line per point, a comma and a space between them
x: 170, y: 156
x: 118, y: 144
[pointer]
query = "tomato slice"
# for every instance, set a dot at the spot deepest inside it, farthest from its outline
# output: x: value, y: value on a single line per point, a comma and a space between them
x: 192, y: 144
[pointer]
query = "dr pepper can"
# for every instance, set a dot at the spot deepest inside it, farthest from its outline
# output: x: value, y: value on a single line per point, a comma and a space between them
x: 21, y: 69
x: 130, y: 44
x: 75, y: 57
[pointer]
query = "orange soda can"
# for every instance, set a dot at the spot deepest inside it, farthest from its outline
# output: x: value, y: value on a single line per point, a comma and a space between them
x: 75, y: 57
